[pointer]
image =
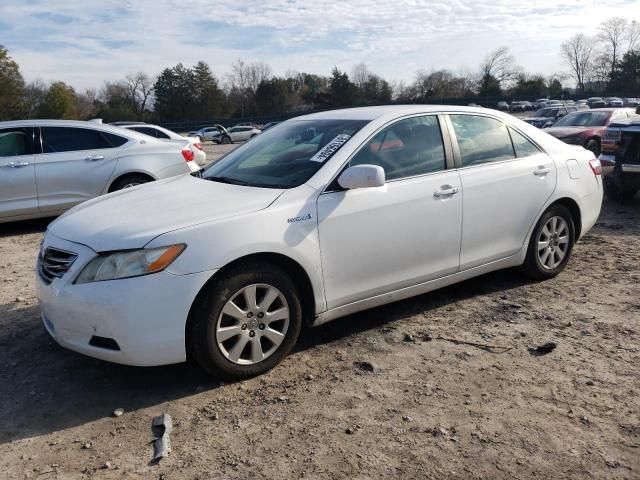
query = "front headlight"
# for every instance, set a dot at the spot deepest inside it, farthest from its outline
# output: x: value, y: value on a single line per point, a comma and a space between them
x: 129, y: 263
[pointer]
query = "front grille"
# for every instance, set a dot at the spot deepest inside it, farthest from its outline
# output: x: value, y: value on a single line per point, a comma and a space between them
x: 55, y: 263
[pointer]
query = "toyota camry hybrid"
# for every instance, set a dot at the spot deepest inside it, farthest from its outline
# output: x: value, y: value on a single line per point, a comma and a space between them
x: 318, y: 217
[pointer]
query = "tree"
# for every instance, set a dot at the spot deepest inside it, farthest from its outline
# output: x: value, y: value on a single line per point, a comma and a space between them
x: 274, y: 96
x: 140, y: 88
x: 244, y: 80
x: 34, y: 93
x: 11, y: 87
x: 578, y: 53
x: 175, y: 94
x: 360, y: 75
x: 529, y: 86
x: 114, y: 103
x: 342, y: 91
x: 626, y: 76
x: 59, y: 102
x: 498, y: 67
x: 210, y: 100
x: 613, y: 32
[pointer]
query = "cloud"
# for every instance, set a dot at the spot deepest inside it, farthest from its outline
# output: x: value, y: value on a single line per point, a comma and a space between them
x: 86, y: 43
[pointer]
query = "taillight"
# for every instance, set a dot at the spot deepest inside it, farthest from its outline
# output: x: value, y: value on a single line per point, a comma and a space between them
x: 596, y: 166
x: 187, y: 154
x: 198, y: 146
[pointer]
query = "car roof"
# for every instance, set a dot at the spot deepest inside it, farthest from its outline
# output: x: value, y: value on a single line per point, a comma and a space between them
x: 392, y: 111
x: 74, y: 123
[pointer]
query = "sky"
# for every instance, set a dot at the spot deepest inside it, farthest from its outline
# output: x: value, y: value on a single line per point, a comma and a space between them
x: 84, y: 42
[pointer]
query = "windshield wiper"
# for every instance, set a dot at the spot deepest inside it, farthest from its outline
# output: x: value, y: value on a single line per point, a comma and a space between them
x: 232, y: 181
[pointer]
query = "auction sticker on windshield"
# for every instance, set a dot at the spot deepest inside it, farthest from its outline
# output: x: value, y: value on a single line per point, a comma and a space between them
x: 330, y: 148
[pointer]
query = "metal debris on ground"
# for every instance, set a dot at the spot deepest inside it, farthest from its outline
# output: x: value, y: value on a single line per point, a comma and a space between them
x: 483, y: 346
x: 161, y: 426
x: 543, y: 349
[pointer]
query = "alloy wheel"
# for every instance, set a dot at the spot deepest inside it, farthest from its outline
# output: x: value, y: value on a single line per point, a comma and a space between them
x: 553, y: 242
x: 252, y: 324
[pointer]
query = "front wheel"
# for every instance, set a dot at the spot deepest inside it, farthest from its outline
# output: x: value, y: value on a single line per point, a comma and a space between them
x: 226, y: 139
x: 551, y: 244
x: 244, y: 323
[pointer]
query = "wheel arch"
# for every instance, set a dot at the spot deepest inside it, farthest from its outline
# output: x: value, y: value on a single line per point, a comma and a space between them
x: 574, y: 209
x: 298, y: 274
x: 132, y: 173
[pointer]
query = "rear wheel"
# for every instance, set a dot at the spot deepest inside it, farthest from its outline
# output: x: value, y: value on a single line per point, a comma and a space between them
x: 128, y: 181
x: 245, y: 322
x: 551, y: 244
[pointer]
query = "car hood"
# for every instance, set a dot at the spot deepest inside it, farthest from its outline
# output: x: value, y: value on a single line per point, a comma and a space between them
x: 133, y: 217
x: 561, y: 132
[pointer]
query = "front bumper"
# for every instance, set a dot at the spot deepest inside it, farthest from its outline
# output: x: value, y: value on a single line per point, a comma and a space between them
x: 145, y: 316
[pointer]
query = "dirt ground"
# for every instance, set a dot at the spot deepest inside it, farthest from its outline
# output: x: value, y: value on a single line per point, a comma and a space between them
x: 380, y: 394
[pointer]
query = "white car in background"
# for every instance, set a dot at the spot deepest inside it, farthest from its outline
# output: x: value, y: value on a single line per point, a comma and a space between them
x: 323, y: 216
x: 48, y: 166
x: 242, y: 133
x: 193, y: 143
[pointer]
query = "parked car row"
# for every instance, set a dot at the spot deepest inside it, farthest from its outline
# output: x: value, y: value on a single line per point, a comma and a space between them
x: 592, y: 102
x: 547, y: 116
x: 219, y: 134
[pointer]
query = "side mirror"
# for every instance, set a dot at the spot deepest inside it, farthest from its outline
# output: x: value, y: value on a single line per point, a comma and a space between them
x: 362, y: 176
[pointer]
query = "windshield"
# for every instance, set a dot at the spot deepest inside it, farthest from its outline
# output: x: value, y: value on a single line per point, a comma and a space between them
x: 285, y: 156
x: 584, y: 119
x: 546, y: 112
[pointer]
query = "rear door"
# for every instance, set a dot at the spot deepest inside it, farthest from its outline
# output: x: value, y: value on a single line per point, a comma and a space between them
x: 75, y: 165
x: 17, y: 172
x: 506, y: 180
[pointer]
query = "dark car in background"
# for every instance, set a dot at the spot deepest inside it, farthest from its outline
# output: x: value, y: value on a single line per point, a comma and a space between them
x: 587, y: 127
x: 621, y: 155
x: 545, y: 117
x: 596, y: 102
x: 520, y: 106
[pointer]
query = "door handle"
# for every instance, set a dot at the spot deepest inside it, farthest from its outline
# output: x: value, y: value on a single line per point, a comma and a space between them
x: 16, y: 164
x: 541, y: 171
x: 94, y: 158
x: 445, y: 192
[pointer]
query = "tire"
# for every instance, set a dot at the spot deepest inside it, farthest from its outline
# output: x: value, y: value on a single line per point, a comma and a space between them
x: 593, y: 145
x: 226, y: 140
x: 128, y: 181
x: 540, y: 264
x: 221, y: 357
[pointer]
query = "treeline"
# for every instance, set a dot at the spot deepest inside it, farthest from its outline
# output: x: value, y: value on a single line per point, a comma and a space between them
x: 607, y: 63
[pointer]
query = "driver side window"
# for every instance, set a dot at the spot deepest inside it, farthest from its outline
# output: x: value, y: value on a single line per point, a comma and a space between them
x: 406, y: 148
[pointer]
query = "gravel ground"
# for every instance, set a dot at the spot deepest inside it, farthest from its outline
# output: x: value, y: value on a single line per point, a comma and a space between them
x: 386, y: 393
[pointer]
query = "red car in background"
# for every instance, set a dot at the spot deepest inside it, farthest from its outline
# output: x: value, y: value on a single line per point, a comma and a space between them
x: 587, y: 127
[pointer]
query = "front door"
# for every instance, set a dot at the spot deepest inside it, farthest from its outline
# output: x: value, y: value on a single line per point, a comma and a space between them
x: 75, y: 165
x: 506, y: 181
x: 377, y: 240
x: 17, y: 172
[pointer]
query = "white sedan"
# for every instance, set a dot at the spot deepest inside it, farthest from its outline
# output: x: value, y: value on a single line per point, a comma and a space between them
x: 48, y: 166
x: 321, y: 216
x: 192, y: 143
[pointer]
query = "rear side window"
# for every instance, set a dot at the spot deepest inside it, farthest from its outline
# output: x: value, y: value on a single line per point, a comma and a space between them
x: 406, y: 148
x: 522, y: 145
x: 481, y: 139
x: 151, y: 132
x: 70, y: 139
x: 16, y: 141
